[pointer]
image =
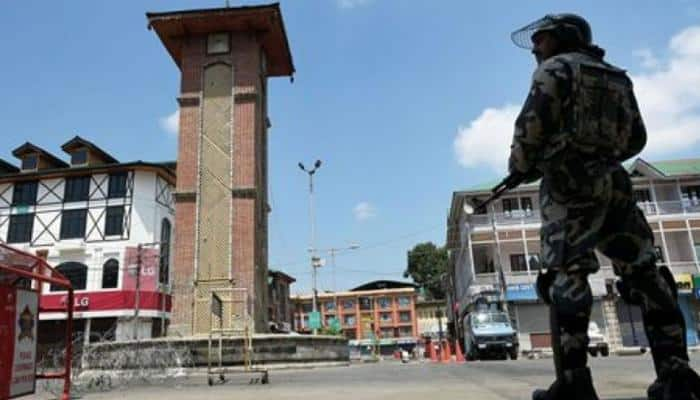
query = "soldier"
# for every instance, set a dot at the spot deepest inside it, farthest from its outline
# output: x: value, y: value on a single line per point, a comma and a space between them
x: 579, y: 123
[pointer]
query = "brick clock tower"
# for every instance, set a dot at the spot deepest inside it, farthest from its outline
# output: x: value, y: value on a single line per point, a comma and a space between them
x: 225, y: 57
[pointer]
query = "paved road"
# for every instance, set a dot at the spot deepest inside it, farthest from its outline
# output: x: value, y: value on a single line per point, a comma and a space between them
x: 616, y: 378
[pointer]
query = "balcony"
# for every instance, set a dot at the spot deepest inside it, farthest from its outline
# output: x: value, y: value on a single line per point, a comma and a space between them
x: 605, y: 272
x: 530, y: 217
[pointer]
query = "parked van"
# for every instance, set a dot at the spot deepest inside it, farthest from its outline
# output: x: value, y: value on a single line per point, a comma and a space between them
x: 489, y: 334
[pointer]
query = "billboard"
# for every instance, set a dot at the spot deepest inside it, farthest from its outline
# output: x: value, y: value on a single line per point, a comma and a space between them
x: 18, y: 337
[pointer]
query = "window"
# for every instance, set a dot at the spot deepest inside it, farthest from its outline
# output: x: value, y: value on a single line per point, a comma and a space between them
x: 405, y: 331
x: 73, y: 224
x: 77, y: 189
x: 486, y: 267
x: 517, y: 262
x: 329, y: 305
x: 385, y: 317
x: 24, y: 194
x: 114, y: 221
x: 659, y: 254
x: 306, y: 307
x: 405, y: 316
x: 384, y: 302
x: 117, y: 185
x: 691, y: 192
x: 79, y: 157
x: 110, y: 274
x: 366, y: 303
x: 509, y: 205
x: 404, y: 301
x: 20, y: 230
x: 218, y: 43
x: 348, y: 304
x: 350, y: 334
x: 75, y: 272
x: 642, y: 195
x: 386, y: 332
x: 349, y: 320
x: 534, y: 262
x: 29, y: 163
x: 164, y: 270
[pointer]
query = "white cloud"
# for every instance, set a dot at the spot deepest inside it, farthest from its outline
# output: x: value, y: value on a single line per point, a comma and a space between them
x: 647, y: 58
x: 352, y: 3
x: 486, y: 140
x: 170, y: 123
x: 363, y: 211
x: 669, y: 97
x: 668, y: 93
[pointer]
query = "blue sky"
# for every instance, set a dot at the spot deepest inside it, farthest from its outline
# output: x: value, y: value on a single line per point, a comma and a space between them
x: 404, y: 101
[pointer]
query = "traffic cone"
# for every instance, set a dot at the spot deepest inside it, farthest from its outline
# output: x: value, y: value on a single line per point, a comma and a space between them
x: 446, y: 353
x: 458, y: 353
x: 433, y: 355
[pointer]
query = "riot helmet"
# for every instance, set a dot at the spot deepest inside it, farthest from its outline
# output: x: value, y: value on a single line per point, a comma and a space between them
x: 571, y: 30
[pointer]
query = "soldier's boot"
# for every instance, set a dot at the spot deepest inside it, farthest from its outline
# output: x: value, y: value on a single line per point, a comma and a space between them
x: 575, y: 384
x: 679, y: 382
x: 655, y: 291
x: 570, y: 300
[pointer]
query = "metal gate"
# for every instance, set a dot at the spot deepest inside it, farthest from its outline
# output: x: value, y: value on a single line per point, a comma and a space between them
x: 231, y: 317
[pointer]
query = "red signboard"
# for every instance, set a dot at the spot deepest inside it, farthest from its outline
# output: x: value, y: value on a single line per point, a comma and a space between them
x: 18, y: 328
x: 150, y: 259
x: 108, y: 300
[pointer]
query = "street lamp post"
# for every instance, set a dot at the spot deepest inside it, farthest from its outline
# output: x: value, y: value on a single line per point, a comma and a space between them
x: 314, y: 260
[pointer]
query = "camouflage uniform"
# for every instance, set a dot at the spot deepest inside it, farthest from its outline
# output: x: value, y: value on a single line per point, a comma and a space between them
x: 579, y: 122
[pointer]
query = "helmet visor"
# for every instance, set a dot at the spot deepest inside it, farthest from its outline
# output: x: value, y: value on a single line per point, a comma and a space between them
x: 523, y: 36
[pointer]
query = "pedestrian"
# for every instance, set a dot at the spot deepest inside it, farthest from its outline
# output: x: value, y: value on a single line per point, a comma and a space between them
x: 579, y: 122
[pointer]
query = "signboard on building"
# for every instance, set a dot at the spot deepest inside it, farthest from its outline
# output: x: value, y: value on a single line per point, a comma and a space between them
x: 18, y: 329
x: 684, y: 282
x: 696, y: 286
x: 521, y: 292
x: 334, y: 323
x: 148, y: 279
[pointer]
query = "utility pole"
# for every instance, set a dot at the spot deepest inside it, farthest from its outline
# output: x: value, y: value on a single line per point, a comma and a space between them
x: 137, y: 296
x: 315, y: 261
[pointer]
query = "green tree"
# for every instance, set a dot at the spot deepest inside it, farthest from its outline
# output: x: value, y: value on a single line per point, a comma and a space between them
x: 426, y: 265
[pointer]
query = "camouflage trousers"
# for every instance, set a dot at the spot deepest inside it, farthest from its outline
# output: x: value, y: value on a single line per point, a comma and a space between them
x: 588, y: 210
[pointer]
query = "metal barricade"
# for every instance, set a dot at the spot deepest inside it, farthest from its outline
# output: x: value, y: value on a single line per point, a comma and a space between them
x: 233, y: 312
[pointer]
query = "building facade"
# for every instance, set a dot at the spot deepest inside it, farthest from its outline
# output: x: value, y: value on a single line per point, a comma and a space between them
x: 431, y: 318
x: 225, y: 57
x: 87, y: 218
x: 667, y: 192
x: 380, y: 313
x: 280, y: 316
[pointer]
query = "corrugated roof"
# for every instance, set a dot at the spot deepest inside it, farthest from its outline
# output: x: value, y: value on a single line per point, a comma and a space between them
x: 678, y: 167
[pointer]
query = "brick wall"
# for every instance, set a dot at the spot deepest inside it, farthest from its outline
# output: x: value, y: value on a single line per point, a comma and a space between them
x: 249, y: 185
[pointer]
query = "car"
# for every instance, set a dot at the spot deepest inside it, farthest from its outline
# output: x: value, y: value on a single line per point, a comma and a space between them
x: 598, y: 343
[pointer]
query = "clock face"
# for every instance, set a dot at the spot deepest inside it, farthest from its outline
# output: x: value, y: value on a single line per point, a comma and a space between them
x: 217, y: 43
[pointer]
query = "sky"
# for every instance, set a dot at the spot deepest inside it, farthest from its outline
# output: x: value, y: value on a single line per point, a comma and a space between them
x: 404, y: 101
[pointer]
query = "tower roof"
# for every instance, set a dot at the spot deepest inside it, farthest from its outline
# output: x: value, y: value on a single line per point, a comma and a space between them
x: 265, y: 20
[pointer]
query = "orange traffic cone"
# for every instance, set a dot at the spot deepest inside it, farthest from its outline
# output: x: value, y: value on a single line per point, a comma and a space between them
x: 458, y: 353
x: 446, y: 354
x: 433, y: 355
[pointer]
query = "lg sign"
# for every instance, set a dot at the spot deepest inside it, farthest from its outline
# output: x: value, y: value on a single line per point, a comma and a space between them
x: 78, y: 302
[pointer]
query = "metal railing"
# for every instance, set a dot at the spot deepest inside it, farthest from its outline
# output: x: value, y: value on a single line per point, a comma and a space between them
x: 524, y: 217
x: 518, y: 277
